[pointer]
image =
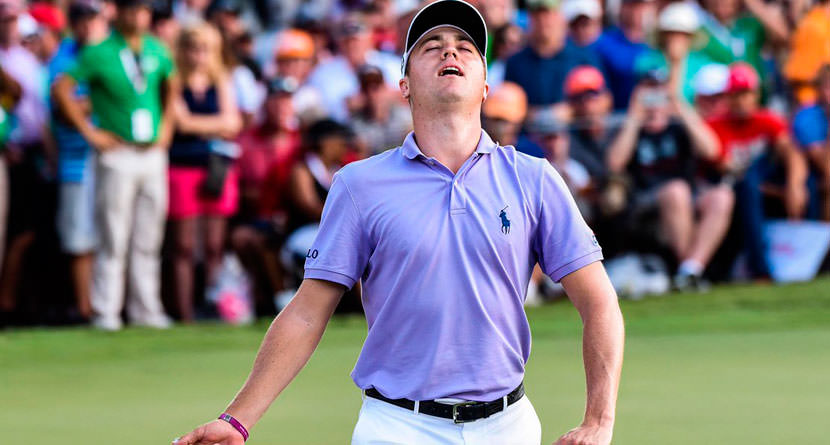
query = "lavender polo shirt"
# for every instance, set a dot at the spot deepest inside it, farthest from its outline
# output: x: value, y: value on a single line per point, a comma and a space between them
x: 445, y: 260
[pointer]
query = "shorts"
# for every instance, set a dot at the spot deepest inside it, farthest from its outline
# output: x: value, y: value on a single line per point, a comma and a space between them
x: 187, y: 200
x: 646, y: 200
x: 383, y: 423
x: 76, y: 224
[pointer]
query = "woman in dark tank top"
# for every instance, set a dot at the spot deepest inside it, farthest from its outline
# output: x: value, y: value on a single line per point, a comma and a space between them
x: 202, y: 180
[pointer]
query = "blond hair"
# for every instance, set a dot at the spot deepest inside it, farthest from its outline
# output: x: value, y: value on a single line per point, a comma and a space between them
x: 208, y: 35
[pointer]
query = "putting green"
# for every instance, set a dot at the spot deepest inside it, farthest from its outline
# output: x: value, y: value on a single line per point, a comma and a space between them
x: 743, y: 364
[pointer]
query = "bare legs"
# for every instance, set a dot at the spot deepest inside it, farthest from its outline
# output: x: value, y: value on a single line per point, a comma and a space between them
x: 80, y: 266
x: 690, y: 241
x: 185, y: 232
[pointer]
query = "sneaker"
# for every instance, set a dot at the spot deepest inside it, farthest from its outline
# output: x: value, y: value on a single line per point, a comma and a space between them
x: 161, y: 322
x: 690, y: 283
x: 107, y: 324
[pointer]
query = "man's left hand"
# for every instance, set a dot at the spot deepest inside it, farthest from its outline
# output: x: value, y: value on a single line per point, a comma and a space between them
x: 586, y: 435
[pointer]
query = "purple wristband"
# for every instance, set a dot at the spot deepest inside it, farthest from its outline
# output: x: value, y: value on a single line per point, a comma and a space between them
x: 235, y: 423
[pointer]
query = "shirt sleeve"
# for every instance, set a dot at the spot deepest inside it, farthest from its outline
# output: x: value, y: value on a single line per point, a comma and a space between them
x: 563, y: 243
x: 341, y: 249
x: 808, y: 129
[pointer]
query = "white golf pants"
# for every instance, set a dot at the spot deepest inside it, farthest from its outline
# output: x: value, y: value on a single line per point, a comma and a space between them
x: 381, y: 423
x: 131, y: 194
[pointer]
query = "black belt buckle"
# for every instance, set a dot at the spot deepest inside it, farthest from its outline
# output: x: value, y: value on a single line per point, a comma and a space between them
x: 455, y: 407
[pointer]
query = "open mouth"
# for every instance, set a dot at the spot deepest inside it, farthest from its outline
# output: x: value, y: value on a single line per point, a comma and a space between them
x: 450, y: 71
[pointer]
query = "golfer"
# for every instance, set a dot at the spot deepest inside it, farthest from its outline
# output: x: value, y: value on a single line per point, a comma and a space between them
x: 443, y: 232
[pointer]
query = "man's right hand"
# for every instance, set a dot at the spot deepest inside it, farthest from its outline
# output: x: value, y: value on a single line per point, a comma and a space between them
x: 217, y: 432
x: 102, y: 140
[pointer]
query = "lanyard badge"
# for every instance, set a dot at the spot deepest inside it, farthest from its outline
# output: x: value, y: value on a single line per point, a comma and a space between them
x: 131, y: 62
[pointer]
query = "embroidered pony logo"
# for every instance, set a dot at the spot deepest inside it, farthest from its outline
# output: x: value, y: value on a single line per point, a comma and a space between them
x: 505, y: 223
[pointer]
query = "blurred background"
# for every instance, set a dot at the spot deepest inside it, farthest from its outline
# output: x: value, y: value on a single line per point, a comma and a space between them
x: 165, y: 163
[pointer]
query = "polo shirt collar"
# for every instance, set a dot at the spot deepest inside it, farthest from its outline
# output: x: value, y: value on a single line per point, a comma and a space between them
x: 410, y: 149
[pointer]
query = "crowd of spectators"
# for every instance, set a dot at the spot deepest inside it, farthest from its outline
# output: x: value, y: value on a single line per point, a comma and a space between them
x: 144, y: 140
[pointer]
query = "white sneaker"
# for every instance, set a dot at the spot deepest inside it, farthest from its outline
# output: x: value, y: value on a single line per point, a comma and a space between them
x: 107, y: 324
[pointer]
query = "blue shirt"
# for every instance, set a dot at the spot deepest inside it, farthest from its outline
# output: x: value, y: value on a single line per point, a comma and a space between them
x: 618, y: 55
x: 73, y: 150
x: 445, y: 260
x: 810, y: 126
x: 543, y: 78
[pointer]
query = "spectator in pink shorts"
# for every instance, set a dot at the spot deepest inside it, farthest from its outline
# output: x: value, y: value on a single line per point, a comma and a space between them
x: 203, y: 182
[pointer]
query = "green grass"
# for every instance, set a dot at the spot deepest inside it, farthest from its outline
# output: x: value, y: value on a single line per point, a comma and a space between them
x: 742, y: 365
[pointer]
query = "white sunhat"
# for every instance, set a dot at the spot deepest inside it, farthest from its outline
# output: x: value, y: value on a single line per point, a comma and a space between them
x: 572, y: 9
x: 455, y: 13
x: 679, y: 17
x: 711, y: 79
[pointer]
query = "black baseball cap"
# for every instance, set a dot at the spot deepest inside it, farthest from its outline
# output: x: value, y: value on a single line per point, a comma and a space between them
x: 80, y: 9
x: 456, y: 13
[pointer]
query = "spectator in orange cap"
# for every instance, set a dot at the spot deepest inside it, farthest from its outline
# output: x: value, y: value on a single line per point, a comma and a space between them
x: 294, y: 58
x: 504, y: 112
x: 591, y: 133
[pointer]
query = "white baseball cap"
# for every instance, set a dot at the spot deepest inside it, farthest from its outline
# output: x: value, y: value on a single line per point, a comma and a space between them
x: 679, y: 17
x: 454, y: 13
x: 711, y: 79
x: 572, y: 9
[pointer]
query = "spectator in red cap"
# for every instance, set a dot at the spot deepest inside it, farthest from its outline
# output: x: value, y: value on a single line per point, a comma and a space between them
x: 756, y: 151
x: 48, y: 15
x: 590, y: 105
x: 45, y: 37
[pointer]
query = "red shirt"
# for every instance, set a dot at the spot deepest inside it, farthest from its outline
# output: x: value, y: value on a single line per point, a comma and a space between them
x: 744, y: 140
x: 265, y: 166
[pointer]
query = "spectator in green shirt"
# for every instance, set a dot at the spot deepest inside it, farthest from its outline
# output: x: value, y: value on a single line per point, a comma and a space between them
x: 738, y: 30
x: 131, y: 85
